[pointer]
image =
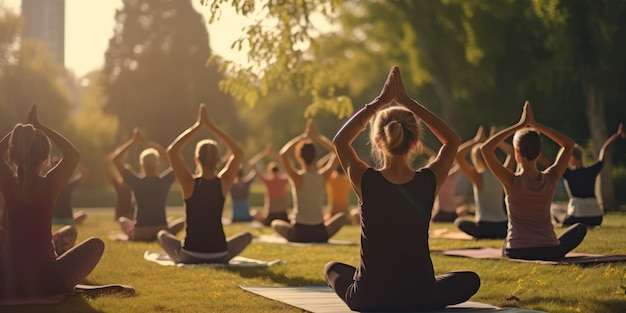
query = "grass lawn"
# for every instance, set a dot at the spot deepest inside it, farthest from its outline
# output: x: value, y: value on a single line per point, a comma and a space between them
x: 550, y: 288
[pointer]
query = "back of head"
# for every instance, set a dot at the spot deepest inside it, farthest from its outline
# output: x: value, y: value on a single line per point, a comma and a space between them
x: 395, y: 131
x: 28, y: 149
x: 528, y: 142
x: 149, y: 159
x: 207, y: 153
x: 306, y: 151
x: 272, y: 167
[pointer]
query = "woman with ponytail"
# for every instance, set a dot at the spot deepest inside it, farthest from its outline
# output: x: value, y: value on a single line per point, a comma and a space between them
x: 204, y: 194
x: 29, y: 265
x: 529, y: 191
x: 395, y: 272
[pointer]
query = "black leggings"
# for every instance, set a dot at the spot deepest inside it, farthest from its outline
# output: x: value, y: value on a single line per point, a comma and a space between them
x: 482, y: 230
x: 308, y: 233
x: 454, y: 287
x: 588, y: 220
x: 569, y: 240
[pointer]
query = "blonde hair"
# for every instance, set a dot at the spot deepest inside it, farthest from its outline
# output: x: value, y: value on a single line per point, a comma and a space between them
x: 207, y: 153
x: 397, y: 130
x: 149, y: 158
x: 28, y: 148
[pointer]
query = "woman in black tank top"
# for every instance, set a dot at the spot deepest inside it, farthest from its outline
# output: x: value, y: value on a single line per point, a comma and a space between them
x: 395, y: 272
x: 204, y: 194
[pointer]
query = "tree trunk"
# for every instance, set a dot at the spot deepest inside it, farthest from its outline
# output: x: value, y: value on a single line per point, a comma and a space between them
x: 595, y: 117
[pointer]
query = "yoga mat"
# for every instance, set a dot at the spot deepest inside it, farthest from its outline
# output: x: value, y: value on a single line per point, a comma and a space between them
x: 274, y: 238
x: 322, y: 299
x: 495, y: 253
x: 161, y: 258
x: 84, y: 290
x: 118, y: 237
x: 449, y: 234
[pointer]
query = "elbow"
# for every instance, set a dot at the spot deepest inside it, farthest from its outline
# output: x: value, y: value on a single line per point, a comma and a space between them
x: 454, y: 141
x: 237, y: 152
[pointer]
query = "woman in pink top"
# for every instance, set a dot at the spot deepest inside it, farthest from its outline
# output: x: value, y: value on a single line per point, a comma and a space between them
x: 275, y: 204
x: 529, y: 192
x: 29, y: 265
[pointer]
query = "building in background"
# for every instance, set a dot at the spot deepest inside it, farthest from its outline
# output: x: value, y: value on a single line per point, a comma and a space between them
x: 45, y: 20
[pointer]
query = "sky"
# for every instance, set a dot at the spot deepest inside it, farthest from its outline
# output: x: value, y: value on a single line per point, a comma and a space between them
x: 89, y: 26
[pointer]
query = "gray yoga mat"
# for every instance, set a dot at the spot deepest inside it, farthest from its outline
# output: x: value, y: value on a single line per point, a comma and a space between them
x: 322, y: 299
x: 495, y: 253
x: 274, y: 238
x: 161, y: 258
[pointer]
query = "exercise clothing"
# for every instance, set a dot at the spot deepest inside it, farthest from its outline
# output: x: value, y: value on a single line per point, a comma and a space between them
x: 205, y: 233
x: 488, y: 199
x: 151, y: 195
x: 29, y: 249
x: 583, y: 205
x: 580, y: 183
x: 309, y: 200
x: 528, y: 204
x: 395, y: 272
x: 240, y: 193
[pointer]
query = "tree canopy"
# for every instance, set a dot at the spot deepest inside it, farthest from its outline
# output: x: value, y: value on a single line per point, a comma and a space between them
x: 472, y: 62
x: 155, y: 70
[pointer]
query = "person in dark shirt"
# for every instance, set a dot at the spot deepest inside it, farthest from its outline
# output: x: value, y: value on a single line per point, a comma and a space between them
x: 150, y: 190
x: 395, y: 272
x: 580, y: 181
x: 204, y: 194
x: 63, y: 212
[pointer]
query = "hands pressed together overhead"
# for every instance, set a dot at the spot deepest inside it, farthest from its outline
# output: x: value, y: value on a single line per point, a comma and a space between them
x: 393, y: 90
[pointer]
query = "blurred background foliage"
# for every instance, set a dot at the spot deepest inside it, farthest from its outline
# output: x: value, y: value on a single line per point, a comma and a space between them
x: 471, y: 62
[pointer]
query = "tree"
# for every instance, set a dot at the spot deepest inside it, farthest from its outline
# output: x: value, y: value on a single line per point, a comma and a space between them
x: 278, y: 51
x: 155, y: 72
x: 587, y: 40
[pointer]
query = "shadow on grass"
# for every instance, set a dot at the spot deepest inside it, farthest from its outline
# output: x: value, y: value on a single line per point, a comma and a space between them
x: 604, y: 306
x: 73, y: 304
x: 264, y: 272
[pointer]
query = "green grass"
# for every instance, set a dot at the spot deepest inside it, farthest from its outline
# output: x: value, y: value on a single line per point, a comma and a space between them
x: 167, y: 289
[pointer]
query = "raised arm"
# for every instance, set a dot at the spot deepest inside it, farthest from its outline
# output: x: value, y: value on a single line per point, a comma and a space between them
x: 183, y: 174
x: 118, y: 154
x: 230, y: 169
x: 445, y: 134
x: 109, y: 170
x: 284, y: 155
x: 352, y: 165
x: 461, y: 158
x: 81, y: 173
x: 609, y: 141
x: 332, y: 161
x: 254, y: 160
x: 60, y: 174
x: 567, y: 146
x: 488, y: 150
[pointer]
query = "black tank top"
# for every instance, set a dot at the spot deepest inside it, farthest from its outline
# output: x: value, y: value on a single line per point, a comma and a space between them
x: 204, y: 217
x: 395, y: 258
